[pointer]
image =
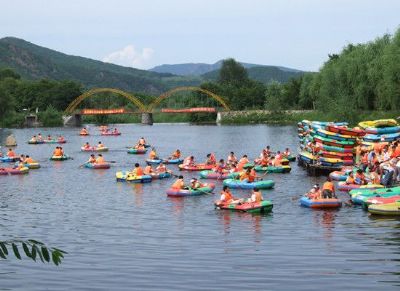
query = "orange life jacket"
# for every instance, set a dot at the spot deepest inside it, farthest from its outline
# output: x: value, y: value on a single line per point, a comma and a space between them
x: 138, y: 171
x: 228, y: 196
x: 100, y: 160
x: 258, y: 196
x: 11, y: 154
x: 148, y: 170
x: 152, y: 155
x: 178, y: 184
x: 328, y: 186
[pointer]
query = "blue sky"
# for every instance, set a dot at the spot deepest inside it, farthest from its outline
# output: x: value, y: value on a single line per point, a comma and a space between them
x: 293, y: 33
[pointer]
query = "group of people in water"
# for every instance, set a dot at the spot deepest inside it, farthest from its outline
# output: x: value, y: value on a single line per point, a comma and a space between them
x: 48, y: 138
x: 20, y: 161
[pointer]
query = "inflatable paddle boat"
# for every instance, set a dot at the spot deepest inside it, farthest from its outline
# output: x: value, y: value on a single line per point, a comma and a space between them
x: 320, y: 203
x: 343, y: 186
x: 60, y: 158
x: 153, y: 162
x: 96, y: 166
x: 126, y: 176
x: 344, y: 130
x: 110, y: 133
x: 173, y: 161
x: 237, y: 184
x: 9, y: 160
x: 32, y: 166
x: 208, y: 174
x: 14, y: 171
x: 272, y: 169
x: 198, y: 167
x: 252, y: 207
x: 35, y: 141
x: 94, y: 149
x: 206, y: 189
x: 160, y: 176
x: 385, y: 209
x: 134, y: 151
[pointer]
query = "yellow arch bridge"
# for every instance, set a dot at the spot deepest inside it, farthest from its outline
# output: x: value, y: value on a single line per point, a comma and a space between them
x: 73, y: 115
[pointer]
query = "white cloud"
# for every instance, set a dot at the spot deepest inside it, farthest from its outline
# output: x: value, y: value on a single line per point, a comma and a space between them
x: 129, y: 56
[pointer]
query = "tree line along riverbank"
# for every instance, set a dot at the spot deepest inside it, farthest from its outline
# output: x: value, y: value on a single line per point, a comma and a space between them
x: 361, y: 82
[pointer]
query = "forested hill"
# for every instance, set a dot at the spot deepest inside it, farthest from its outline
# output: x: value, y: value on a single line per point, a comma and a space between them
x: 35, y: 62
x: 263, y: 74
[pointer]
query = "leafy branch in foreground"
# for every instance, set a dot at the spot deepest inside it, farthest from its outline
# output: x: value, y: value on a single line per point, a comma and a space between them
x: 33, y: 249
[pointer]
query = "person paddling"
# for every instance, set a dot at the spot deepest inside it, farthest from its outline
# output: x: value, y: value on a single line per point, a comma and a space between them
x: 92, y: 159
x: 328, y: 189
x: 227, y: 197
x: 137, y: 171
x: 100, y: 159
x: 179, y: 184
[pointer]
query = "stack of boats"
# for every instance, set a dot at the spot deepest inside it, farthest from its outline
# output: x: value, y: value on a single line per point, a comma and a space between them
x: 335, y: 140
x: 379, y: 131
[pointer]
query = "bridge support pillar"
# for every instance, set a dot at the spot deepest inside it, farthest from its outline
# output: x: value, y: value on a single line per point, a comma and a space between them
x: 147, y: 118
x: 73, y: 120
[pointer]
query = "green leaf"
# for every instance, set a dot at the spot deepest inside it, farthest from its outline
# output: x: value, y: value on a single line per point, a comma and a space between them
x: 45, y: 253
x: 26, y: 250
x: 34, y: 252
x: 16, y: 252
x: 39, y: 253
x: 61, y: 251
x: 56, y: 259
x: 2, y: 254
x: 35, y: 242
x: 4, y: 248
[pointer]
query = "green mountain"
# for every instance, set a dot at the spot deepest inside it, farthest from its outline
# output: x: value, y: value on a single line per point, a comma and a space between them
x: 35, y: 62
x: 264, y: 74
x: 260, y: 73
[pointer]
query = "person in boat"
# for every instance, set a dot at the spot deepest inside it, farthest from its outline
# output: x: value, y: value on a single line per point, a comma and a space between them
x: 161, y: 168
x: 137, y: 171
x: 210, y: 159
x: 267, y: 150
x: 359, y: 178
x: 87, y: 146
x: 115, y: 131
x: 92, y: 159
x: 231, y: 158
x: 139, y: 147
x: 234, y: 168
x: 247, y: 176
x: 100, y: 145
x: 328, y: 189
x: 33, y: 139
x: 264, y: 162
x: 100, y: 159
x: 314, y: 193
x: 227, y: 197
x: 195, y: 184
x: 49, y: 137
x: 175, y: 155
x: 57, y: 152
x: 153, y: 154
x: 62, y: 151
x: 277, y: 160
x: 60, y: 138
x: 286, y: 153
x: 148, y: 170
x: 243, y: 161
x: 39, y: 137
x: 179, y: 184
x: 220, y: 168
x: 350, y: 179
x: 20, y: 165
x: 11, y: 153
x: 256, y: 196
x: 189, y: 162
x: 22, y: 158
x: 142, y: 141
x: 29, y: 160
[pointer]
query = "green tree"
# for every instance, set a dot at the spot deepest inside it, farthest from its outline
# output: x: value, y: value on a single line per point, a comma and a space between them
x: 232, y: 72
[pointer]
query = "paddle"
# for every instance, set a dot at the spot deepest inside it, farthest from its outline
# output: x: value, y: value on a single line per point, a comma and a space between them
x: 81, y: 166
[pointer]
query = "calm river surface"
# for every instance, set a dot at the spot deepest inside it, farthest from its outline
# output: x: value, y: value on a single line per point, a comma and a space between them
x: 133, y: 237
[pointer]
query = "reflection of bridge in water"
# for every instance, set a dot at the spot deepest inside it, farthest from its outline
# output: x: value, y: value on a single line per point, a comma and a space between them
x: 73, y: 115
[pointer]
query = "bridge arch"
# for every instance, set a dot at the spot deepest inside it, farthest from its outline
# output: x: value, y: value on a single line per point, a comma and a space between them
x: 72, y: 106
x: 165, y: 95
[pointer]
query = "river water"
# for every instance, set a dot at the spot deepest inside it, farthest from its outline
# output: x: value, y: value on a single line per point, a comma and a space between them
x: 133, y: 237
